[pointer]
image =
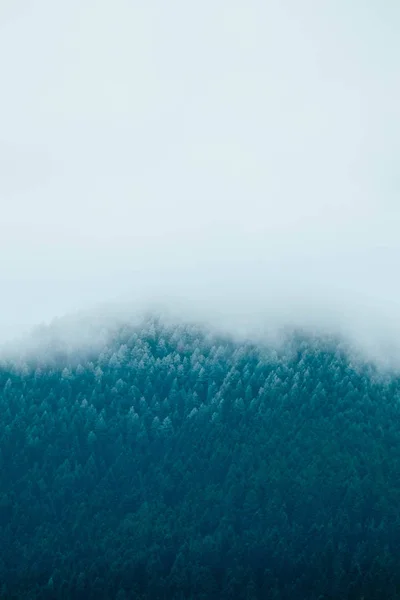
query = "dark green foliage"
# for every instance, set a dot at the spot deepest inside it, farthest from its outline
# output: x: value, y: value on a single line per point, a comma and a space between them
x: 172, y: 464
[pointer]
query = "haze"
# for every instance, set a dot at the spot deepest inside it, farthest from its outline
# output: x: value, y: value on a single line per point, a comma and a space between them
x: 234, y: 159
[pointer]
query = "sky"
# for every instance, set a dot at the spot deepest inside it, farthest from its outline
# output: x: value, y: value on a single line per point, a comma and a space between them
x: 239, y: 159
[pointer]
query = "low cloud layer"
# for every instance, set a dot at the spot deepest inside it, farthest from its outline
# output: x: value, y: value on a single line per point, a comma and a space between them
x: 237, y: 161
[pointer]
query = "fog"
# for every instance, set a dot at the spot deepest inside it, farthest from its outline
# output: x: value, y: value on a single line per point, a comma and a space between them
x: 237, y: 161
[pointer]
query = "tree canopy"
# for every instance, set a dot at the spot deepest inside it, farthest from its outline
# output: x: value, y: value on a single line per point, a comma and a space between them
x: 172, y: 463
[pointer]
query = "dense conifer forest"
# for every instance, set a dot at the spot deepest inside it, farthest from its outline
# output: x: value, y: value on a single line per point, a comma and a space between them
x: 175, y: 464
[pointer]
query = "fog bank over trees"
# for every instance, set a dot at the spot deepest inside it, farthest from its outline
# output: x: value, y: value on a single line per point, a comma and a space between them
x: 233, y: 161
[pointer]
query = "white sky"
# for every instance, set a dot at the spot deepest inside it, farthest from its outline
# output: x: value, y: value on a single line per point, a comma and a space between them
x: 231, y: 154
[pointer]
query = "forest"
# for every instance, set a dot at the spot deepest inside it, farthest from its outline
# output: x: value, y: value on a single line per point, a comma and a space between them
x: 176, y: 463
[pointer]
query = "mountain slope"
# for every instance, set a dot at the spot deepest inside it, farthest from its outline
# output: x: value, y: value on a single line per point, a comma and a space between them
x: 171, y: 463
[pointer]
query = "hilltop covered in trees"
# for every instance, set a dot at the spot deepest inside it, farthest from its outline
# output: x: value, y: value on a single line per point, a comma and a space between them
x: 170, y: 463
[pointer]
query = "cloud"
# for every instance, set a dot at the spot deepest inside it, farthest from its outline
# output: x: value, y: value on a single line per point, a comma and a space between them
x: 237, y: 160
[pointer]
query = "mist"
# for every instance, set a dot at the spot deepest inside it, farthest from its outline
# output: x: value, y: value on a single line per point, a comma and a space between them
x: 229, y: 161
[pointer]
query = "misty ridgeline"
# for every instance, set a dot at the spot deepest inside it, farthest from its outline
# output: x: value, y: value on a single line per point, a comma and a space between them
x: 169, y: 461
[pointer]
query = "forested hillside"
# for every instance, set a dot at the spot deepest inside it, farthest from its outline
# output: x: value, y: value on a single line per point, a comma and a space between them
x: 175, y: 464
